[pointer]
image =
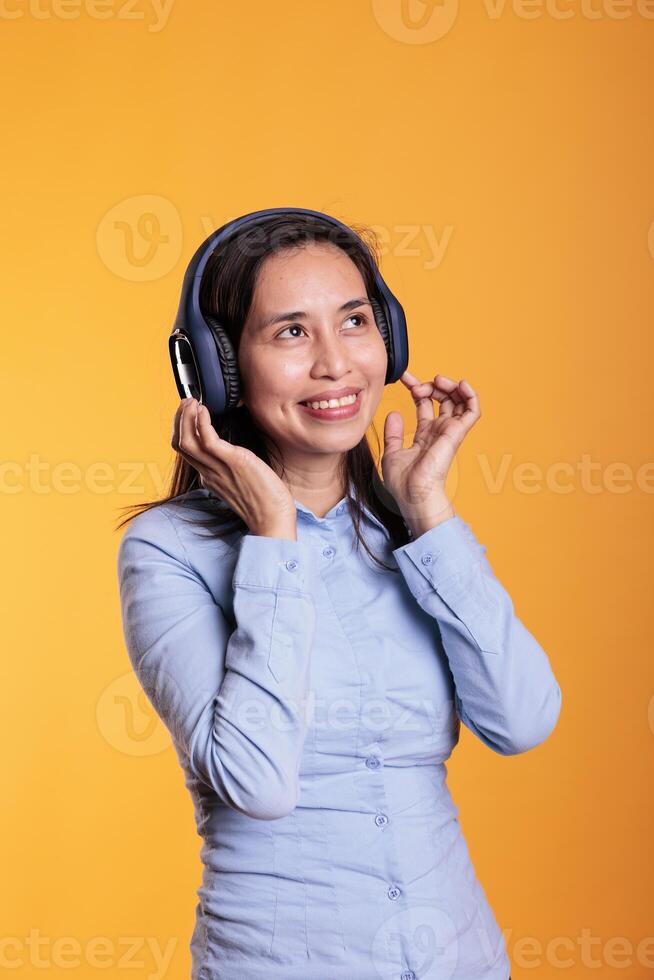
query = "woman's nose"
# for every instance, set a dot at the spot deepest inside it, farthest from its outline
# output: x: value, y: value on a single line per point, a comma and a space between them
x: 331, y: 356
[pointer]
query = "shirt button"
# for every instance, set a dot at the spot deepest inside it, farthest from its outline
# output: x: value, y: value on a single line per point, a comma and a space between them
x: 291, y: 564
x: 373, y: 762
x: 427, y: 559
x: 381, y: 819
x: 393, y: 893
x: 408, y: 975
x: 328, y: 552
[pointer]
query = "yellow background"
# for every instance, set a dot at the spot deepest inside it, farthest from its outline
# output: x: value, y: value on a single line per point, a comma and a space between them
x: 516, y: 137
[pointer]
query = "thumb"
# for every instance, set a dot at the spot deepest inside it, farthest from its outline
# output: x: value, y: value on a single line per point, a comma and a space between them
x: 393, y: 432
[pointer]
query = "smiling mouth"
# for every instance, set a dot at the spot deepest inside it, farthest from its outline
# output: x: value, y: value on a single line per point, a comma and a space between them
x: 337, y: 412
x: 318, y: 400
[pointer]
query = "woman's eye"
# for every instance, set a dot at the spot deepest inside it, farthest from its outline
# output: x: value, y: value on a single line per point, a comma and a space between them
x: 296, y: 326
x: 293, y: 326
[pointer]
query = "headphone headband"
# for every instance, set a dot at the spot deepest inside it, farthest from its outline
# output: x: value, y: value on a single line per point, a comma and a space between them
x: 202, y: 357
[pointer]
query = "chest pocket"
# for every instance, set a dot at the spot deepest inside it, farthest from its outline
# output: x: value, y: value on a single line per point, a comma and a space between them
x: 292, y: 632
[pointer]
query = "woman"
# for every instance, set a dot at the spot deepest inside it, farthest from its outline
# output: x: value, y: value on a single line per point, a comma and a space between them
x: 312, y: 639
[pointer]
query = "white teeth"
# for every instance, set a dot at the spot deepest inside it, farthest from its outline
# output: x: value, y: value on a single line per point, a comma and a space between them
x: 333, y: 402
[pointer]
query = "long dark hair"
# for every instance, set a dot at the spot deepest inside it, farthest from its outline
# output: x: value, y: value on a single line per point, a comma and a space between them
x: 226, y: 293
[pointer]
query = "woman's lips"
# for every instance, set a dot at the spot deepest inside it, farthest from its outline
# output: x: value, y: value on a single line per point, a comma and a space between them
x: 334, y: 414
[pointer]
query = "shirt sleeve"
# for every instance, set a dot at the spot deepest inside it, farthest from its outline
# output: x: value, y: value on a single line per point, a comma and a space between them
x: 506, y: 692
x: 233, y: 700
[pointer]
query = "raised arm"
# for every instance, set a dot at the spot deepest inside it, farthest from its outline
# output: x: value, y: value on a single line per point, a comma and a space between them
x: 233, y: 701
x: 506, y: 692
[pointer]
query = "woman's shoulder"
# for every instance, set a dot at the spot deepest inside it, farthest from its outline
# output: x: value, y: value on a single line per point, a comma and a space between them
x: 181, y: 527
x: 164, y: 548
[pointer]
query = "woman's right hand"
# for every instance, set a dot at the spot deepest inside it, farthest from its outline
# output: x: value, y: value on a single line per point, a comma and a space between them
x: 235, y: 474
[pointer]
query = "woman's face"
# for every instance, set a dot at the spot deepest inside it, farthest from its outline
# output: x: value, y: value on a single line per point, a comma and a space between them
x: 318, y: 342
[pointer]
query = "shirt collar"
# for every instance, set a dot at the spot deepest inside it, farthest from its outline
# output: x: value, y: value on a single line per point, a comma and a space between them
x: 340, y: 512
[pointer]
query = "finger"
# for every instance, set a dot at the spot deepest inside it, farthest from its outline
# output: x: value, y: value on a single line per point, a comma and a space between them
x: 409, y: 379
x: 421, y: 392
x: 467, y: 411
x: 393, y: 432
x: 467, y: 402
x: 425, y: 408
x: 463, y: 396
x: 202, y: 424
x: 428, y: 390
x: 181, y: 414
x: 189, y: 442
x: 419, y: 389
x: 472, y: 408
x: 176, y: 422
x: 174, y: 438
x: 455, y: 399
x: 449, y: 387
x: 412, y: 382
x: 208, y: 438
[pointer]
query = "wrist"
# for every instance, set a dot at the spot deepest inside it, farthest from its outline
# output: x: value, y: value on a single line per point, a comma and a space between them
x: 421, y: 522
x: 285, y: 531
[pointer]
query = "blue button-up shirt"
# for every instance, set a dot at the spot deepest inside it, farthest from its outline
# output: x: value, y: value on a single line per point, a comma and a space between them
x: 313, y: 700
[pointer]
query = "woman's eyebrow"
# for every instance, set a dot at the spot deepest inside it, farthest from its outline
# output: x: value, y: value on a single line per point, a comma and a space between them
x: 300, y: 314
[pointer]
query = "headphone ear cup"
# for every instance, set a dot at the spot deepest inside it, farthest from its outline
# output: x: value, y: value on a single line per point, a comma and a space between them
x: 382, y: 323
x: 228, y: 362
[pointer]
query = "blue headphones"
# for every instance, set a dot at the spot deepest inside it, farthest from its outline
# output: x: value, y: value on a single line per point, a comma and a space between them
x: 203, y: 357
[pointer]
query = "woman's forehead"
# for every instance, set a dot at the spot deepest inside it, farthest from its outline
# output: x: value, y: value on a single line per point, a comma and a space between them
x: 309, y: 269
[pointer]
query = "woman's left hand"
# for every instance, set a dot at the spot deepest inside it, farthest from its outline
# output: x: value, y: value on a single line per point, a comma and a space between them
x: 416, y: 476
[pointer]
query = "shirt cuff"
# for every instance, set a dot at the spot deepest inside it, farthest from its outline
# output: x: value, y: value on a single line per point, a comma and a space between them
x: 275, y: 563
x: 438, y: 554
